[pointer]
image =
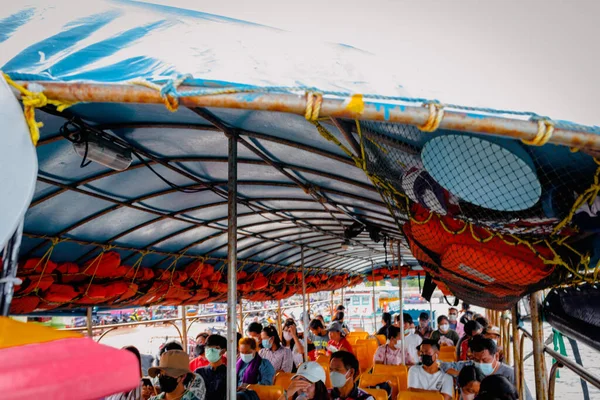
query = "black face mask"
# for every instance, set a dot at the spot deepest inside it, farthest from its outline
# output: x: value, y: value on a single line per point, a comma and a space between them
x: 167, y: 384
x: 427, y: 360
x: 199, y: 350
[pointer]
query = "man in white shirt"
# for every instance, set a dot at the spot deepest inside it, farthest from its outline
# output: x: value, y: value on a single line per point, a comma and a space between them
x: 428, y: 376
x: 411, y: 339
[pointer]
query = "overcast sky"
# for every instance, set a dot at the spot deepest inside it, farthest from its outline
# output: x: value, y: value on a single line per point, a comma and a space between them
x: 531, y: 55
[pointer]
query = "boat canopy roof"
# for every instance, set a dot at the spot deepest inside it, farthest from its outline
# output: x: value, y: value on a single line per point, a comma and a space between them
x: 307, y: 186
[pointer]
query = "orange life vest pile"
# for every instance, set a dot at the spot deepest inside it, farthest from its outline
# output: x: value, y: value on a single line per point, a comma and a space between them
x: 474, y: 262
x: 47, y: 285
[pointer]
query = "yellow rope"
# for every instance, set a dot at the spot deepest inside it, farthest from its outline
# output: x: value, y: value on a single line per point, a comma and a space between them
x: 31, y: 101
x: 436, y: 114
x: 544, y: 133
x: 171, y: 102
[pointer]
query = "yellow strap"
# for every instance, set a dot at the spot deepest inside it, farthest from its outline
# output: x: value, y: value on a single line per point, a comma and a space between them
x: 31, y: 101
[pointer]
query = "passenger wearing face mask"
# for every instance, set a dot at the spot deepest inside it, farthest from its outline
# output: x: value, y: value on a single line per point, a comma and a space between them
x: 215, y: 374
x: 444, y: 335
x: 411, y: 339
x: 307, y: 384
x: 280, y: 357
x: 428, y: 376
x: 455, y: 324
x: 391, y: 352
x: 469, y: 379
x: 252, y: 368
x: 176, y: 380
x: 485, y: 357
x: 254, y: 330
x: 200, y: 361
x: 493, y: 332
x: 344, y: 373
x: 292, y: 342
x: 337, y: 339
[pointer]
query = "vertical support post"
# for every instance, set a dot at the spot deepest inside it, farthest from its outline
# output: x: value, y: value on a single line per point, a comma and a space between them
x: 279, y: 322
x: 184, y: 328
x: 308, y: 302
x: 341, y: 302
x: 241, y: 329
x: 231, y: 266
x: 537, y: 333
x: 305, y: 315
x: 8, y: 273
x: 431, y: 315
x: 515, y: 342
x: 401, y: 303
x: 331, y: 307
x: 374, y: 306
x: 88, y: 322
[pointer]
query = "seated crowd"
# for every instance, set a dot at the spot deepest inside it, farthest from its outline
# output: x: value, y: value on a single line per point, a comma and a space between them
x: 330, y: 369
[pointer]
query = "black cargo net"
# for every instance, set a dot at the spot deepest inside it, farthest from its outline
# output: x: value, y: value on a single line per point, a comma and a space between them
x: 490, y: 218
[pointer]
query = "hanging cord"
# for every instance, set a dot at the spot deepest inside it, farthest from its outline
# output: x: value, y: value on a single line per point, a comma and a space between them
x: 31, y: 101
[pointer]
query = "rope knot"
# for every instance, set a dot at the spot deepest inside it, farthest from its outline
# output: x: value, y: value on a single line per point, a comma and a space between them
x: 436, y: 114
x: 313, y: 106
x: 543, y: 135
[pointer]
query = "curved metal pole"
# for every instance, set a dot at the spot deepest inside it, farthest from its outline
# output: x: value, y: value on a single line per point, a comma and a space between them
x: 105, y: 333
x: 305, y: 315
x: 178, y: 330
x: 521, y: 372
x: 537, y: 333
x: 401, y: 303
x: 552, y: 382
x: 231, y: 267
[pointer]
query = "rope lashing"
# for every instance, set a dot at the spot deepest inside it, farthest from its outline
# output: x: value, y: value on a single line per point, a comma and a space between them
x: 168, y: 91
x: 544, y: 133
x: 31, y: 101
x: 313, y: 106
x: 436, y: 114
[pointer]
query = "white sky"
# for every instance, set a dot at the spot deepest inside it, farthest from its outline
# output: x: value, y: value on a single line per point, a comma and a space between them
x: 539, y: 56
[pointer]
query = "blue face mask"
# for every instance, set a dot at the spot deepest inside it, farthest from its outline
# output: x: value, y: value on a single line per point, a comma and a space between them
x: 486, y: 368
x: 212, y: 355
x: 266, y: 343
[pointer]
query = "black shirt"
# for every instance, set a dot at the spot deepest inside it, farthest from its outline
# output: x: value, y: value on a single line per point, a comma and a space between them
x: 215, y: 381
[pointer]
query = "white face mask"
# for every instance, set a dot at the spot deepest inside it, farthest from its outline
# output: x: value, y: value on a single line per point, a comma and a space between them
x: 470, y: 396
x: 495, y: 341
x: 444, y: 328
x: 287, y: 336
x: 247, y: 357
x: 338, y: 379
x: 410, y: 331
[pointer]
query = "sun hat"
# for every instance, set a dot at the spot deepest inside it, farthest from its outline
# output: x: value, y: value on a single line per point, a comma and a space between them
x: 173, y: 363
x: 492, y: 330
x: 312, y: 371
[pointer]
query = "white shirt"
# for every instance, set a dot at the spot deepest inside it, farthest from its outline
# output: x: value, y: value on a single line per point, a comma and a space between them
x: 441, y: 382
x: 411, y: 342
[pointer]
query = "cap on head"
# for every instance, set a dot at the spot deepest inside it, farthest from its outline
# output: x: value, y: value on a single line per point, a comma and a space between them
x: 335, y: 327
x: 312, y: 371
x: 492, y: 330
x: 174, y: 363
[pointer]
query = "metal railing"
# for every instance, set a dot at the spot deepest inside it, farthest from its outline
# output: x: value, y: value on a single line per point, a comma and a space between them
x: 561, y: 361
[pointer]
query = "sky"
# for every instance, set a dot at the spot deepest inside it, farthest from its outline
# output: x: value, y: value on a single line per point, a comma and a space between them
x: 532, y: 55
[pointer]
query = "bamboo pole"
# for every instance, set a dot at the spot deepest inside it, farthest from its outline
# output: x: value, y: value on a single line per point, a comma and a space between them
x: 331, y: 107
x: 516, y: 353
x: 537, y: 333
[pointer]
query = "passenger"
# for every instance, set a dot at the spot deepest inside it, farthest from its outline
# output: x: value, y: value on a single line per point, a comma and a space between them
x: 344, y: 373
x: 493, y: 332
x: 424, y: 329
x: 318, y: 335
x: 200, y: 361
x: 428, y: 376
x: 166, y: 347
x: 337, y: 339
x: 175, y: 378
x: 281, y: 358
x: 340, y: 308
x: 482, y: 321
x: 307, y: 384
x: 455, y: 324
x: 386, y: 322
x: 339, y: 317
x: 320, y: 318
x: 138, y: 392
x: 251, y: 368
x: 472, y: 329
x: 469, y: 380
x: 497, y: 387
x: 215, y: 374
x: 254, y: 330
x: 444, y: 335
x: 391, y: 353
x: 292, y: 342
x: 411, y: 338
x: 485, y: 357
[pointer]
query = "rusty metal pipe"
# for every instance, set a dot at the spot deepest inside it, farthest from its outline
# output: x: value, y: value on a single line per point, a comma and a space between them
x: 537, y: 334
x: 552, y: 382
x: 331, y: 107
x: 516, y: 353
